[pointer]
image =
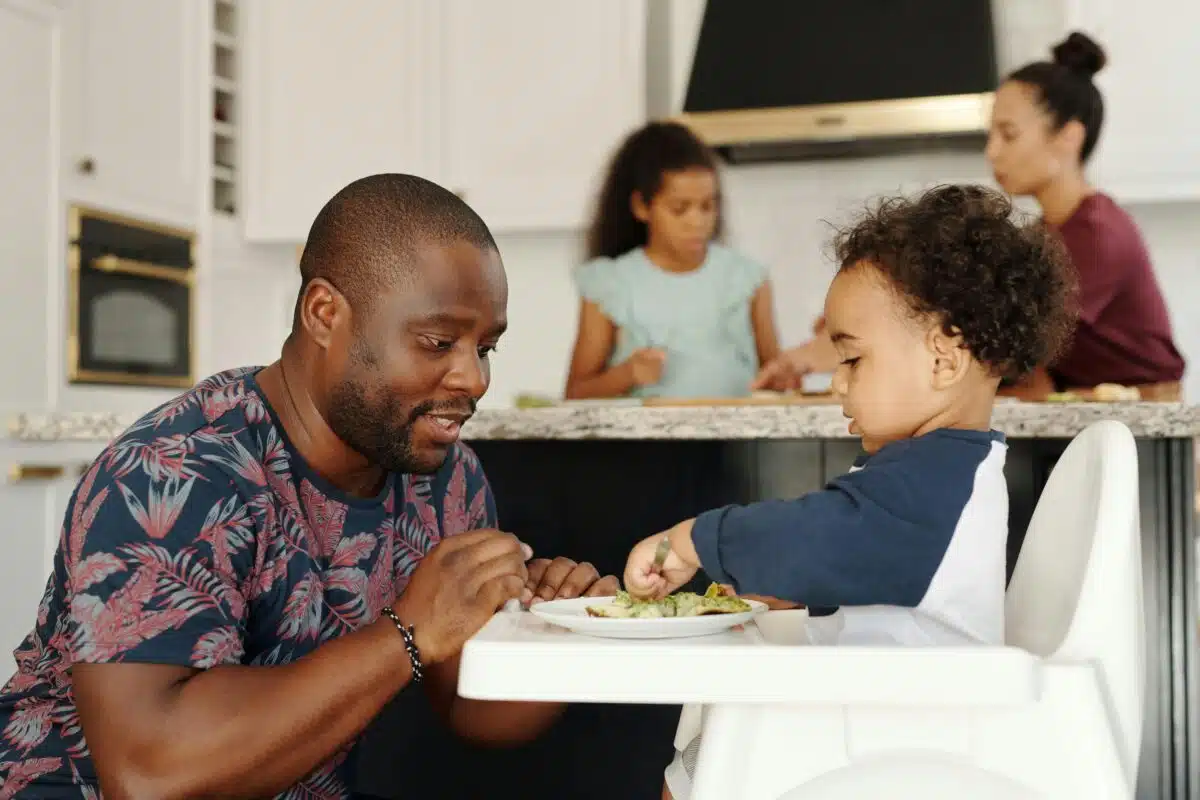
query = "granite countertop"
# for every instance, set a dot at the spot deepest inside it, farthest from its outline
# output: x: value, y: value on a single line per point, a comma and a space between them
x: 598, y: 421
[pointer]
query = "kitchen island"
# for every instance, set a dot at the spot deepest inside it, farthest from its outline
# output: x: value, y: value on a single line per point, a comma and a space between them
x: 589, y: 481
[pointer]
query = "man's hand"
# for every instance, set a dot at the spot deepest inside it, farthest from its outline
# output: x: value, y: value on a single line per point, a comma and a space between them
x: 501, y: 723
x: 563, y: 578
x: 458, y: 586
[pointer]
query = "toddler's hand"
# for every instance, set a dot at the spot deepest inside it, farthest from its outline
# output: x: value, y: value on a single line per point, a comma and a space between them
x: 646, y: 365
x: 643, y: 578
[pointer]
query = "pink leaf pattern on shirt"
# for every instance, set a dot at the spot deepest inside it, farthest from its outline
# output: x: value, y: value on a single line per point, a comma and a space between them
x: 162, y: 507
x: 454, y: 510
x: 222, y: 646
x: 28, y: 726
x: 302, y: 615
x: 325, y: 515
x: 198, y: 538
x: 94, y: 569
x: 23, y: 773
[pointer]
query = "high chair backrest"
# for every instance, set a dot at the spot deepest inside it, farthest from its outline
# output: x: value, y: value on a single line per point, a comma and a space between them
x: 1076, y: 593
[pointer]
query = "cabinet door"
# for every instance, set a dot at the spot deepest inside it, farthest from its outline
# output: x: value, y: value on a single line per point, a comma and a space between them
x: 539, y: 93
x: 30, y: 265
x: 135, y: 107
x: 333, y: 92
x: 34, y: 507
x: 30, y: 41
x: 1149, y: 150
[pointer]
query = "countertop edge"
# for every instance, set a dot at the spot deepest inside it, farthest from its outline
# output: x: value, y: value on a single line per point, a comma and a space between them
x: 721, y: 423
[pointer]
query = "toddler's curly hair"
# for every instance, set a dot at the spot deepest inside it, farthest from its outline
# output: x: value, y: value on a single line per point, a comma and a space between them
x: 955, y: 253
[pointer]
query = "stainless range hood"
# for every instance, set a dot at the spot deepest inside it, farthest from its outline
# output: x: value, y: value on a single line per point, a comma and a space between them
x: 801, y: 79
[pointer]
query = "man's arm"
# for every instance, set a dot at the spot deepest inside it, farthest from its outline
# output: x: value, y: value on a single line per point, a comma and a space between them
x: 487, y: 722
x: 496, y: 722
x: 155, y: 638
x: 164, y: 731
x: 501, y: 723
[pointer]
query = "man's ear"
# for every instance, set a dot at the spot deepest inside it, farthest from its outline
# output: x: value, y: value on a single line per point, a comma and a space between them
x: 322, y: 309
x: 951, y: 359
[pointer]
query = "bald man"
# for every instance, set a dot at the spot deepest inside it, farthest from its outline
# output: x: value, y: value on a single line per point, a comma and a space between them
x: 252, y: 571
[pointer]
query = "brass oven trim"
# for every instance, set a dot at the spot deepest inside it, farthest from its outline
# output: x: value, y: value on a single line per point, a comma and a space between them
x: 142, y: 269
x: 78, y: 375
x: 964, y: 113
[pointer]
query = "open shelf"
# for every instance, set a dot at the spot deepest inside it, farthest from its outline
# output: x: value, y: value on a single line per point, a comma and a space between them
x: 224, y: 106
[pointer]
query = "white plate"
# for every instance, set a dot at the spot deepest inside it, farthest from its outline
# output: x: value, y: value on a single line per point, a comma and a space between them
x: 572, y: 614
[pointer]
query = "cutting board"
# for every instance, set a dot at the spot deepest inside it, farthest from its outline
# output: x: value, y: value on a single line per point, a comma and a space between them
x: 824, y: 399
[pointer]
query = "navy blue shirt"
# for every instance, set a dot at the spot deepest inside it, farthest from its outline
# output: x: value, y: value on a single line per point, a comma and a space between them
x: 922, y: 523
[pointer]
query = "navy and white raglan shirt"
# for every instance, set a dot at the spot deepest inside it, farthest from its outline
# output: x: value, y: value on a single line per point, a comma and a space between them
x: 921, y: 524
x: 908, y: 549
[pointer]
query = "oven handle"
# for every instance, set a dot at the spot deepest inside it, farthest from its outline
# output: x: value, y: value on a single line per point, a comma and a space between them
x: 142, y: 269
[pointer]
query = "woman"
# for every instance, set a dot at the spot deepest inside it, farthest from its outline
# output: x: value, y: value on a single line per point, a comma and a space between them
x: 1045, y: 124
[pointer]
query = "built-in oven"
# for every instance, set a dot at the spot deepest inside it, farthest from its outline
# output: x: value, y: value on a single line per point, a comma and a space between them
x: 131, y: 290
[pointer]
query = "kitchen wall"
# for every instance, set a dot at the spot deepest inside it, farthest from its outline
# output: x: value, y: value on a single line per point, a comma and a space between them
x: 780, y: 214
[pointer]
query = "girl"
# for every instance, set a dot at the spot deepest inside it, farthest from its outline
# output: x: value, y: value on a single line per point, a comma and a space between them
x: 1045, y: 124
x: 666, y: 310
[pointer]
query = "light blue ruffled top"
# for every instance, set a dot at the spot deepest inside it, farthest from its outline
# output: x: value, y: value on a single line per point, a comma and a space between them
x: 701, y: 318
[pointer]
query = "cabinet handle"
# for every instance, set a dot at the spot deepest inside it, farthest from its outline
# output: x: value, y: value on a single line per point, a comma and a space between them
x: 86, y: 166
x: 127, y: 266
x: 18, y: 473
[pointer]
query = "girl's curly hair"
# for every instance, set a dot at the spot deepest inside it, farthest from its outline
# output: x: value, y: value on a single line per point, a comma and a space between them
x: 956, y: 254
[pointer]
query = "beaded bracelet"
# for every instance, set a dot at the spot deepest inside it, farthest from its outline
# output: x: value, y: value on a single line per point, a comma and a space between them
x: 406, y: 632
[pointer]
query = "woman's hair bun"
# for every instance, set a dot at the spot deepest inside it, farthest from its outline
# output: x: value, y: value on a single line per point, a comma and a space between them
x: 1080, y: 53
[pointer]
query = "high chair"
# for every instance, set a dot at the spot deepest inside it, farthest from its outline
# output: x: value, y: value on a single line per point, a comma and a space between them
x: 1055, y: 713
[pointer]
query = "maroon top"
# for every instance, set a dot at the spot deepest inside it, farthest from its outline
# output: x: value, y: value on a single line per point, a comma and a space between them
x: 1124, y: 332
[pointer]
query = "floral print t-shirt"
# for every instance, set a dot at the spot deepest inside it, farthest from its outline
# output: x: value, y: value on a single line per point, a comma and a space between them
x: 199, y: 538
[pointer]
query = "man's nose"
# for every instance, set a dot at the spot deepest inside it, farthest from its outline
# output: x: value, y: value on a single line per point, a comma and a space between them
x: 469, y: 374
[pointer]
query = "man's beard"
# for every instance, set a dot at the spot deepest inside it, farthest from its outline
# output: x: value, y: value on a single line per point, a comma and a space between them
x: 382, y: 432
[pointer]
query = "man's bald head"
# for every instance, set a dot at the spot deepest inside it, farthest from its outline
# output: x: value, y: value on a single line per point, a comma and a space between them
x: 366, y: 237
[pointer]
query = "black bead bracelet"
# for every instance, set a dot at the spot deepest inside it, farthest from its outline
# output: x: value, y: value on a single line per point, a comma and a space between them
x: 406, y: 632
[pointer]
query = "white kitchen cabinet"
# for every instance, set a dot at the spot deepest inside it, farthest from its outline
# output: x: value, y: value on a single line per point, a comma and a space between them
x: 332, y: 92
x: 30, y: 49
x: 538, y: 95
x: 1149, y: 150
x: 134, y: 106
x: 515, y: 105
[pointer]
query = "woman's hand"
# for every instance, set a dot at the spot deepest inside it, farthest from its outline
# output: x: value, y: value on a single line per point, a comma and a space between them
x: 786, y: 371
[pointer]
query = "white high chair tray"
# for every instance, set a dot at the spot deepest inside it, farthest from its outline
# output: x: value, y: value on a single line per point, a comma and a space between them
x: 518, y: 656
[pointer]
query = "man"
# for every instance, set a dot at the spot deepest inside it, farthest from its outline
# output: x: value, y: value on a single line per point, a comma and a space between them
x: 253, y: 570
